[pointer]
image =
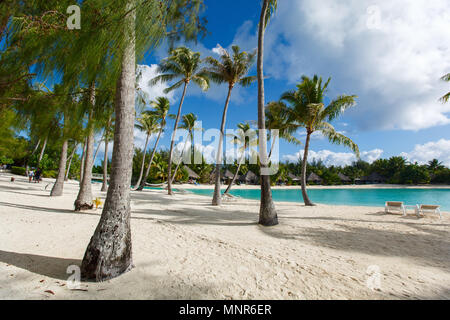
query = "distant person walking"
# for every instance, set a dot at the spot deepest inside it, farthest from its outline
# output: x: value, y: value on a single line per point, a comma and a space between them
x: 37, y: 175
x: 30, y: 175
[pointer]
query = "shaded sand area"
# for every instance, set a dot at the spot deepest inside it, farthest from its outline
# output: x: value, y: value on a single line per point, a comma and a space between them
x: 183, y: 248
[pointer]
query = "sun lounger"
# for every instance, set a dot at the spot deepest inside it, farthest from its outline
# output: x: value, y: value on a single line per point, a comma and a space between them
x: 395, y: 206
x: 430, y: 207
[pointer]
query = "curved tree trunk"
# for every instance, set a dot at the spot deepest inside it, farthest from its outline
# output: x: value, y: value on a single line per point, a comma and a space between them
x: 42, y: 151
x: 304, y: 165
x: 267, y: 214
x: 138, y: 183
x: 235, y: 174
x: 66, y: 177
x: 83, y: 158
x: 217, y: 197
x: 96, y: 151
x: 169, y: 165
x: 84, y: 198
x: 58, y: 187
x: 105, y: 167
x: 34, y: 151
x: 108, y: 254
x: 178, y: 165
x: 147, y: 171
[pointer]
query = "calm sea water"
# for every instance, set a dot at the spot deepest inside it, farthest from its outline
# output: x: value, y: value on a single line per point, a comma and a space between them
x: 351, y: 197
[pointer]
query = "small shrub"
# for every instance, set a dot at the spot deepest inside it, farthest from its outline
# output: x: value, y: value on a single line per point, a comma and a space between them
x: 21, y: 171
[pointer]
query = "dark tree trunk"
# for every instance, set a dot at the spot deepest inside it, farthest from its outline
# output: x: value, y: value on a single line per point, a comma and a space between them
x: 84, y: 198
x: 105, y: 166
x: 169, y: 169
x: 138, y: 183
x: 147, y: 171
x: 304, y: 165
x: 217, y: 197
x: 66, y: 177
x: 109, y: 253
x: 267, y: 213
x: 58, y: 187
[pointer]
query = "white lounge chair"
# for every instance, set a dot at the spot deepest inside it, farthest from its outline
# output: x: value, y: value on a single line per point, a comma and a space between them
x: 430, y: 207
x: 395, y: 206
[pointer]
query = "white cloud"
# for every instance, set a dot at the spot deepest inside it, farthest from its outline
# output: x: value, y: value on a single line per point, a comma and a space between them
x: 146, y: 73
x: 394, y: 68
x: 330, y: 158
x: 422, y: 153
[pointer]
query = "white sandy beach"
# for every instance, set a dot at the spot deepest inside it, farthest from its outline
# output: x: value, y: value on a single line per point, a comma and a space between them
x: 183, y: 248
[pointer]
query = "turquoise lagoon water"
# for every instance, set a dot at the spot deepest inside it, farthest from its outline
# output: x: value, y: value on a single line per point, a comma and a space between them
x: 351, y: 197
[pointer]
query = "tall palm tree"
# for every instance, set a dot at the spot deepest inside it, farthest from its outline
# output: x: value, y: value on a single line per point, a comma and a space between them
x: 267, y: 213
x: 306, y: 109
x: 434, y: 165
x: 243, y: 139
x: 446, y: 97
x: 161, y: 108
x: 232, y: 69
x: 188, y: 124
x: 185, y: 66
x: 148, y: 124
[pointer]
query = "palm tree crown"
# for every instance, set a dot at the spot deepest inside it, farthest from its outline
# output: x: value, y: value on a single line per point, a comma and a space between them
x: 446, y: 97
x: 306, y: 109
x: 183, y: 65
x: 233, y: 68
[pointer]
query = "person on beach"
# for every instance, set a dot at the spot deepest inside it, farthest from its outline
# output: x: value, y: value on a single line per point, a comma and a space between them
x: 30, y: 175
x: 37, y: 175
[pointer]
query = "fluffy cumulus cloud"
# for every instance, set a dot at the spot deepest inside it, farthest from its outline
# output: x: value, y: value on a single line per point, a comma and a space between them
x: 335, y: 158
x: 144, y: 74
x: 422, y: 153
x: 390, y: 53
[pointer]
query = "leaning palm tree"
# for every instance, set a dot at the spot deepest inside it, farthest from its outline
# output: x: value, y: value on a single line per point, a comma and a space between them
x: 267, y: 213
x: 446, y: 97
x: 306, y: 109
x: 160, y: 110
x: 148, y: 124
x: 188, y: 123
x: 243, y: 139
x: 232, y: 70
x: 183, y: 65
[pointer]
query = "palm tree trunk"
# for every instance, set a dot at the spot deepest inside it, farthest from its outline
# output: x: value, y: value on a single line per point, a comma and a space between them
x: 42, y: 151
x: 108, y: 254
x: 169, y: 166
x: 36, y: 147
x: 34, y: 151
x: 58, y: 187
x: 217, y: 197
x: 235, y: 174
x: 138, y: 183
x: 84, y: 198
x: 178, y: 165
x: 96, y: 151
x: 66, y: 177
x: 267, y: 214
x: 147, y: 171
x: 105, y: 166
x: 304, y: 165
x: 83, y: 158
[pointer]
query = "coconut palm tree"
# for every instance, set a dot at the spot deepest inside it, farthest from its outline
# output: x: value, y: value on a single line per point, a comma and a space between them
x: 148, y: 124
x: 185, y: 66
x: 446, y: 97
x: 232, y: 69
x: 435, y: 165
x: 160, y: 110
x: 267, y: 213
x: 307, y: 110
x: 188, y: 123
x: 243, y: 139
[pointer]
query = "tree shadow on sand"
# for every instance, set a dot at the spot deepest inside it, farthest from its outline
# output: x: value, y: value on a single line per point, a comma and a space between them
x: 52, y: 267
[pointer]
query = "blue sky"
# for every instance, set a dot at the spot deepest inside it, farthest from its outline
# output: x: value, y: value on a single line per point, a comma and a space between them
x: 390, y: 54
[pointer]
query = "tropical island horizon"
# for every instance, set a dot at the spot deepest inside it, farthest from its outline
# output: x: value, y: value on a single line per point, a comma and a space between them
x: 141, y: 159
